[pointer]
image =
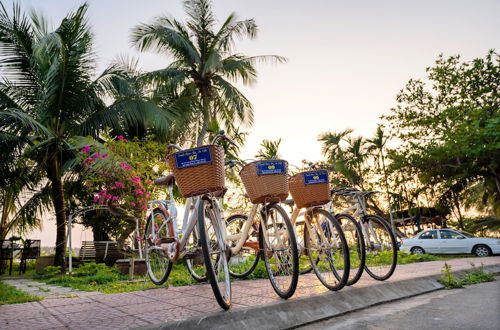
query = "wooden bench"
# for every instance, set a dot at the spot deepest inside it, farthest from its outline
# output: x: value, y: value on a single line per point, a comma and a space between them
x: 87, y: 252
x: 107, y: 252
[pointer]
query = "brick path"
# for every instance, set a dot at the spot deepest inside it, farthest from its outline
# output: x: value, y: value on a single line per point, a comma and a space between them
x: 134, y: 309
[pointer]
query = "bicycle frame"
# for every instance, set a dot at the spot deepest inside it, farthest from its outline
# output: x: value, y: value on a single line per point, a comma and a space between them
x: 246, y: 231
x: 190, y: 218
x: 358, y: 211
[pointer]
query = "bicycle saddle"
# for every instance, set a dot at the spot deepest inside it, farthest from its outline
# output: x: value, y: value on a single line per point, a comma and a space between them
x: 165, y: 180
x: 289, y: 202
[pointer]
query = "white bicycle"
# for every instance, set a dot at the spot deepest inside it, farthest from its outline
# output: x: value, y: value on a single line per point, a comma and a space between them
x: 165, y: 243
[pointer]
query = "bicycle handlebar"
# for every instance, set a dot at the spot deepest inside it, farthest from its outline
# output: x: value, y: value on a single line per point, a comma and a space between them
x: 174, y: 146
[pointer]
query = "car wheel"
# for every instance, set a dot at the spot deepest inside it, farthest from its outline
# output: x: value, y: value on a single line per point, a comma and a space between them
x: 481, y: 251
x: 417, y: 250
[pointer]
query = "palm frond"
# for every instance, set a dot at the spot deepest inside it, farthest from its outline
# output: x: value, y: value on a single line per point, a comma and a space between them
x: 163, y: 36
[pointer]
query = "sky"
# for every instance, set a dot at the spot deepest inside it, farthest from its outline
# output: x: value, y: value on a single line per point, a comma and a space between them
x: 347, y: 60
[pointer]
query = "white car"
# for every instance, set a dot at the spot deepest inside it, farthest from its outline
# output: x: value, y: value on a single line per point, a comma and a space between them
x: 449, y: 241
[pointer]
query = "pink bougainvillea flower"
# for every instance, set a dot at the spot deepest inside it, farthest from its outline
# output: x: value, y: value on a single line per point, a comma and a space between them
x: 113, y: 147
x: 138, y: 192
x: 148, y: 194
x: 118, y: 184
x: 104, y: 155
x: 132, y: 204
x: 120, y: 137
x: 95, y: 156
x: 105, y: 173
x: 96, y: 198
x: 86, y: 149
x: 108, y: 196
x: 115, y: 198
x: 135, y: 179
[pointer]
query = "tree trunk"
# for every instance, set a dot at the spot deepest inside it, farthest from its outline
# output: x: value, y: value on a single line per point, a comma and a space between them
x: 206, y: 117
x: 459, y: 213
x: 393, y: 226
x: 60, y: 209
x: 131, y: 224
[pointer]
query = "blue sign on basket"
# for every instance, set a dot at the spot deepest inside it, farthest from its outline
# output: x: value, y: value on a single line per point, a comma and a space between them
x: 271, y: 167
x: 315, y: 177
x: 193, y: 157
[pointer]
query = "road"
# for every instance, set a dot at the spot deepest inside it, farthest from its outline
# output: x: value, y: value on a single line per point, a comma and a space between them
x: 474, y: 307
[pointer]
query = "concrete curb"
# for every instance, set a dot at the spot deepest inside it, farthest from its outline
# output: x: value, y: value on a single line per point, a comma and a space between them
x: 297, y: 312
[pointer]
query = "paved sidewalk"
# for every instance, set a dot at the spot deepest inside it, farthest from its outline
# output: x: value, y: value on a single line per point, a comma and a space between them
x: 47, y: 291
x: 141, y: 308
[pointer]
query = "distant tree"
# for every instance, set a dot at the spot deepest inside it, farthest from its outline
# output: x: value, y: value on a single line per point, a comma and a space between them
x: 449, y: 130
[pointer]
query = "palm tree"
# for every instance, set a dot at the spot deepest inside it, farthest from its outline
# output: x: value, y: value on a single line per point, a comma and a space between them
x: 269, y: 149
x: 331, y: 143
x: 376, y: 146
x: 204, y: 62
x: 48, y: 96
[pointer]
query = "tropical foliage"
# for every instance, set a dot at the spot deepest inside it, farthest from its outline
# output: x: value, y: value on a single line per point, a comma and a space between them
x: 445, y: 145
x: 204, y: 65
x: 48, y: 96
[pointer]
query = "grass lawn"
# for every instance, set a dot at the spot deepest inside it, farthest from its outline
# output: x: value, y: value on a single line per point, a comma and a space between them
x: 11, y: 295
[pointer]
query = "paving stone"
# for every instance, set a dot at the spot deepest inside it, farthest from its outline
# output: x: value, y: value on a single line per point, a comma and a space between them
x: 43, y: 322
x: 121, y: 299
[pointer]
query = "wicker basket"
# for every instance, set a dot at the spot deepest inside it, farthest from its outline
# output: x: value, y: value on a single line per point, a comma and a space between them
x: 199, y: 170
x: 262, y: 181
x: 310, y: 188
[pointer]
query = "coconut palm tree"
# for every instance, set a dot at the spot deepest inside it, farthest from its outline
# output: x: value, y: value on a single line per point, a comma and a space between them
x: 48, y: 96
x: 331, y: 142
x: 204, y: 62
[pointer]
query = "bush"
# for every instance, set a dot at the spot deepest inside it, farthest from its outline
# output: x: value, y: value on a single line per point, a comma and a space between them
x: 474, y: 276
x: 90, y: 269
x: 48, y: 272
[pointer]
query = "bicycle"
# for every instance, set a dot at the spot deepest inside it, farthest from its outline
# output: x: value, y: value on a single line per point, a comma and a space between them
x: 266, y: 232
x: 324, y: 242
x: 379, y: 240
x: 199, y: 175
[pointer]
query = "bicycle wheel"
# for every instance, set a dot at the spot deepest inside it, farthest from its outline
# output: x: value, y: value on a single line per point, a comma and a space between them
x: 195, y: 263
x: 327, y: 249
x: 157, y: 262
x: 354, y: 236
x: 381, y: 248
x: 304, y: 263
x: 244, y: 262
x: 279, y: 250
x: 215, y: 253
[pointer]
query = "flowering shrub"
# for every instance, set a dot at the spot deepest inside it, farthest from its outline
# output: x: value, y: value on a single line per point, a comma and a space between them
x: 120, y: 172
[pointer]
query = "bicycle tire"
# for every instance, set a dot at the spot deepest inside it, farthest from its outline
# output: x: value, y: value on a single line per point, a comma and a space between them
x: 360, y: 252
x: 190, y: 264
x: 252, y: 264
x: 336, y: 281
x: 222, y: 295
x: 157, y: 263
x: 371, y: 249
x: 268, y: 253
